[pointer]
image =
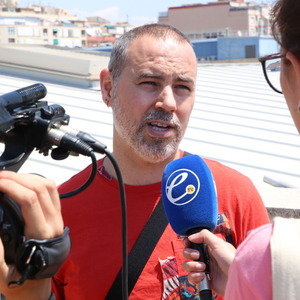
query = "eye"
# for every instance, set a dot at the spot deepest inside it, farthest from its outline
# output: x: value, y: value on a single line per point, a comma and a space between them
x: 148, y: 82
x: 183, y: 87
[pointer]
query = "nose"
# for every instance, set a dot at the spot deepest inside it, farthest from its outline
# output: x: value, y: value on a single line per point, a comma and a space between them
x: 166, y: 100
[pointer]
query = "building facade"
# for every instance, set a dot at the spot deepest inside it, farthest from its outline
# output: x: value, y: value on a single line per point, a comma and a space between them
x: 219, y: 19
x: 46, y: 25
x: 39, y: 25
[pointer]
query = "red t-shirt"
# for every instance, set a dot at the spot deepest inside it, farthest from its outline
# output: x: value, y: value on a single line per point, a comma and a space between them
x: 94, y: 219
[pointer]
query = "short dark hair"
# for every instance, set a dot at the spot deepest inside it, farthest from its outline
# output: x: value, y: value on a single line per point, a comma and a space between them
x: 119, y: 52
x: 285, y: 23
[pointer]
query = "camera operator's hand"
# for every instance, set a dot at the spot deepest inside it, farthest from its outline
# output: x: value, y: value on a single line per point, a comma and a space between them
x: 40, y: 206
x: 221, y: 256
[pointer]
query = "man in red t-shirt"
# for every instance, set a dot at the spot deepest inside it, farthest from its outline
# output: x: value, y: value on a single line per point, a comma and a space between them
x: 150, y: 87
x: 94, y: 217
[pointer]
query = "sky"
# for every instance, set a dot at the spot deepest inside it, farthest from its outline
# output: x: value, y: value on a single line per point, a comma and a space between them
x: 136, y: 12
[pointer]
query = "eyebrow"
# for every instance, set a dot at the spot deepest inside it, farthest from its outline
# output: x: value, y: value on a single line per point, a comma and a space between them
x: 150, y: 76
x: 180, y: 78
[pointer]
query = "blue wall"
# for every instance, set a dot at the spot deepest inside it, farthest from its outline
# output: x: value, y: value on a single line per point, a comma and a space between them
x: 234, y: 48
x: 206, y: 49
x: 227, y: 48
x: 268, y: 46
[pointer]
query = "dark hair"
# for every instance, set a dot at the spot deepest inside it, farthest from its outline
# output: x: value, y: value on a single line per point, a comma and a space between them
x: 285, y: 22
x: 119, y: 52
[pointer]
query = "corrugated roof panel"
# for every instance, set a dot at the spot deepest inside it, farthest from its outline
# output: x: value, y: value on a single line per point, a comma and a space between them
x: 237, y: 120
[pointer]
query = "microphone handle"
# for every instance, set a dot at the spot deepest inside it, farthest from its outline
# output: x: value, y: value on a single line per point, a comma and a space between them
x: 205, y: 285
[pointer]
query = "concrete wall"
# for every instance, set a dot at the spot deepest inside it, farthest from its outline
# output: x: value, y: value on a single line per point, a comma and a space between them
x: 284, y: 202
x: 49, y: 63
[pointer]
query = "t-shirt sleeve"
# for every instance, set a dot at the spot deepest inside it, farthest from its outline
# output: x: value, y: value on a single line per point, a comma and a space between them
x: 250, y: 274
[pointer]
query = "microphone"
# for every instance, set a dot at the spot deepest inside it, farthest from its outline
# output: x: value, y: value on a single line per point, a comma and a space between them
x: 190, y: 201
x: 24, y: 96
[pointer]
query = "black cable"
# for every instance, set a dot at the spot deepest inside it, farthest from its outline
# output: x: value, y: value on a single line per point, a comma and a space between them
x: 124, y: 227
x: 123, y: 212
x: 87, y: 183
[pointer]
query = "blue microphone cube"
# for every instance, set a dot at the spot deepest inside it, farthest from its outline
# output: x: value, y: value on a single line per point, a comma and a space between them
x: 189, y: 195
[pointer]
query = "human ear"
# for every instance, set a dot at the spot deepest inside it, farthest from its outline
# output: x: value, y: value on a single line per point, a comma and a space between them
x: 295, y: 62
x: 106, y: 84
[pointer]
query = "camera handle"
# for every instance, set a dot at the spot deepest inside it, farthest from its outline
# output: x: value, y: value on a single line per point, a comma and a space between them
x: 15, y: 153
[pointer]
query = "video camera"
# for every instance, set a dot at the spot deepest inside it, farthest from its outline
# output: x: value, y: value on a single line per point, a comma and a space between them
x: 26, y: 123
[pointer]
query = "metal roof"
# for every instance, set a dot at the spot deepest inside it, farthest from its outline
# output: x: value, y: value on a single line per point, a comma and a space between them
x: 237, y: 120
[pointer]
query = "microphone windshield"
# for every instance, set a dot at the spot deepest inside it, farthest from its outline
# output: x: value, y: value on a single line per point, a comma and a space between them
x: 189, y: 195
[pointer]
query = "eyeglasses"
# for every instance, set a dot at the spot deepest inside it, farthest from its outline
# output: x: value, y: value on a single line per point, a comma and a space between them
x: 271, y: 68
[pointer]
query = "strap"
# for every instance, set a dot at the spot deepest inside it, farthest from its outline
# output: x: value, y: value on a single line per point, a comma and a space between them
x: 141, y: 250
x: 39, y: 259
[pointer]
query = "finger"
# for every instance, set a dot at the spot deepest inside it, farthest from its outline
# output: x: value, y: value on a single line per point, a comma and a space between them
x: 196, y: 271
x: 190, y: 253
x: 34, y: 195
x: 37, y: 183
x: 204, y: 236
x: 47, y: 194
x: 30, y: 207
x: 195, y: 277
x: 186, y: 242
x: 194, y: 266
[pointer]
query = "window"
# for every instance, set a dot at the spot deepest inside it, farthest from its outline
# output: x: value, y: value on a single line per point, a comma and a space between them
x: 11, y: 30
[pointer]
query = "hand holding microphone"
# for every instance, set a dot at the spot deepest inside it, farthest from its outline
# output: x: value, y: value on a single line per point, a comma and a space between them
x: 221, y: 256
x: 190, y: 202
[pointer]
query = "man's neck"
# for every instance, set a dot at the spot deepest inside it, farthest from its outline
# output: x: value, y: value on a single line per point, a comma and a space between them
x: 137, y: 171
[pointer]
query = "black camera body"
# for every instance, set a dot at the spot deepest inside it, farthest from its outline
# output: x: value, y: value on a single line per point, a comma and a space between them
x: 11, y: 227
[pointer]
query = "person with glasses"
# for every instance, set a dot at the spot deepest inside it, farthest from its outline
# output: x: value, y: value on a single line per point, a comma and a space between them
x: 271, y: 69
x: 266, y: 265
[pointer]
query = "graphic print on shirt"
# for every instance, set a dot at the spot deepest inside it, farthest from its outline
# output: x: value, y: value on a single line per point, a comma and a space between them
x: 178, y: 287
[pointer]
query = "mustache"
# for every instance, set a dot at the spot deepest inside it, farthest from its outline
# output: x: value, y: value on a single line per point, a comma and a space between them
x: 162, y: 116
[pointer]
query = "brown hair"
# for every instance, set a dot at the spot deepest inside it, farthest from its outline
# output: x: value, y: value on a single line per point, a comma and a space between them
x: 285, y: 22
x: 119, y: 52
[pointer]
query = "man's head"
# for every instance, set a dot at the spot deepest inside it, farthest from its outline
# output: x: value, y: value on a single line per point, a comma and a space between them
x: 119, y: 52
x: 150, y: 86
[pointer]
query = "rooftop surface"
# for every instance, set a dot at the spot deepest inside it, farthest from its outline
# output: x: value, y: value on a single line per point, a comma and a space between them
x: 237, y: 120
